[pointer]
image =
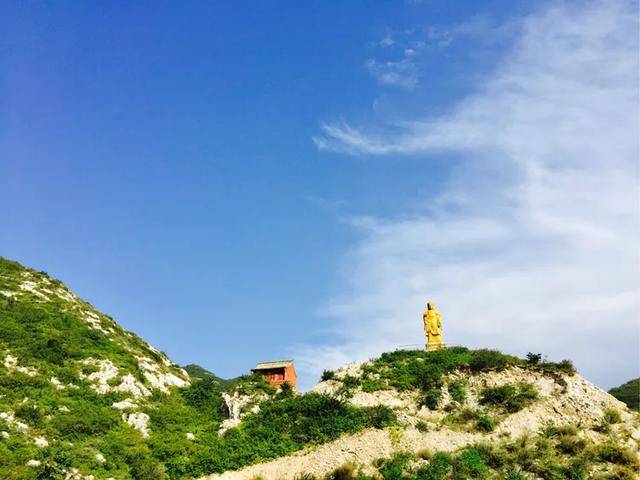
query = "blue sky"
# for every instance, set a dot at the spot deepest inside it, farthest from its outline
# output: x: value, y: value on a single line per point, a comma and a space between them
x: 239, y: 181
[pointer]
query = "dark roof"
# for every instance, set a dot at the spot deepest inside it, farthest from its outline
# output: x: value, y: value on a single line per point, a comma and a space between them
x: 275, y: 364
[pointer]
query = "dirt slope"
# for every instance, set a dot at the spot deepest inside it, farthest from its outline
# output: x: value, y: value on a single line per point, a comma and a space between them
x: 563, y: 399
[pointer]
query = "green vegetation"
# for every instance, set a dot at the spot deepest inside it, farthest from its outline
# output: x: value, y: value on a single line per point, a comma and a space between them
x: 196, y: 372
x: 458, y: 390
x: 511, y: 398
x: 49, y: 335
x: 628, y: 393
x: 524, y: 459
x: 50, y: 342
x: 425, y: 370
x: 469, y: 419
x: 612, y: 416
x: 328, y: 375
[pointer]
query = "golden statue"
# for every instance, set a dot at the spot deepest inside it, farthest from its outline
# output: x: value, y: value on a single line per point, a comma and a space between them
x: 432, y: 327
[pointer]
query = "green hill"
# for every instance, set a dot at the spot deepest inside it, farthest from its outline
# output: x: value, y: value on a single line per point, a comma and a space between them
x: 628, y: 393
x: 80, y: 395
x: 81, y: 398
x: 199, y: 373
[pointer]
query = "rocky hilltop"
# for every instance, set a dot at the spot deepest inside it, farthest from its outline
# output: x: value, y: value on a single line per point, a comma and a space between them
x: 504, y: 419
x: 83, y: 399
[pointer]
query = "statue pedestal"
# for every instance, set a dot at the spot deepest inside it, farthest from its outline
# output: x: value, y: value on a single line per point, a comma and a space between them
x: 435, y: 346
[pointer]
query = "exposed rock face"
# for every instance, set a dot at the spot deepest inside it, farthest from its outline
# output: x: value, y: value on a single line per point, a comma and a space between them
x: 564, y: 399
x: 139, y: 421
x: 234, y: 404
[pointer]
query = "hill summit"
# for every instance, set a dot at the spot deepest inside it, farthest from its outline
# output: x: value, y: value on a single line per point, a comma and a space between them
x: 81, y: 398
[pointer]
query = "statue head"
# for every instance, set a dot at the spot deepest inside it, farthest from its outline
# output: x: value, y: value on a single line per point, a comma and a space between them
x: 430, y: 306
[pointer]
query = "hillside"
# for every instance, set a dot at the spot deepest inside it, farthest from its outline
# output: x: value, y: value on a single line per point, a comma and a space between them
x: 196, y: 372
x: 629, y: 393
x: 469, y: 415
x: 83, y: 399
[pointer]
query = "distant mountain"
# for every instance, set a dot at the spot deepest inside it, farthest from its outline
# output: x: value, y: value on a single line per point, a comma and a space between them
x: 199, y: 373
x: 628, y: 393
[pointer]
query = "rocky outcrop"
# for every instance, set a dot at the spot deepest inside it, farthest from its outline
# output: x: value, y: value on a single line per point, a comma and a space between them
x: 563, y: 399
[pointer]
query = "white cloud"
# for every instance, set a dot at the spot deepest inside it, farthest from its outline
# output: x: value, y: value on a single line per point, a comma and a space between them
x: 401, y: 73
x: 387, y: 41
x: 533, y: 245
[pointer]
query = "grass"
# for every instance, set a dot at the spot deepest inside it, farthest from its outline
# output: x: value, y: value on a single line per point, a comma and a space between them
x: 425, y: 371
x: 511, y: 398
x: 469, y: 419
x: 53, y: 338
x: 526, y: 458
x: 458, y: 390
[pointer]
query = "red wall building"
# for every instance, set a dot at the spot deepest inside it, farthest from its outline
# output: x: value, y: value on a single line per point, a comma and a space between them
x: 277, y: 373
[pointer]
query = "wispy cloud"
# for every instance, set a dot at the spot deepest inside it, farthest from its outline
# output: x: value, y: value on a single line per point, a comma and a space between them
x: 533, y: 245
x: 402, y: 73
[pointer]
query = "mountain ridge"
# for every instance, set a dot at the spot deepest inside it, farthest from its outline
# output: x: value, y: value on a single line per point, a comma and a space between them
x: 81, y: 398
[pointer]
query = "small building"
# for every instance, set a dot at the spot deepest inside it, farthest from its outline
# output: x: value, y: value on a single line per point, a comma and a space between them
x: 277, y: 373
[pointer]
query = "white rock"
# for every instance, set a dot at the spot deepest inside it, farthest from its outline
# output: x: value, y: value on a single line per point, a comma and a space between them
x: 33, y: 463
x: 66, y: 295
x: 64, y: 409
x: 125, y: 404
x: 4, y: 434
x: 11, y: 364
x: 40, y: 442
x: 57, y: 383
x: 100, y: 379
x: 129, y: 384
x: 32, y: 287
x: 139, y: 421
x: 100, y: 458
x: 12, y: 422
x: 93, y: 321
x: 190, y: 436
x: 157, y: 378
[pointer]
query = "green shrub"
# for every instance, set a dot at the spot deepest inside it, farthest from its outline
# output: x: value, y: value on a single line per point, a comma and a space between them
x: 328, y: 375
x: 491, y: 359
x: 485, y: 423
x: 85, y: 420
x: 439, y: 467
x: 563, y: 366
x: 393, y: 468
x: 422, y: 426
x: 551, y: 430
x: 470, y: 464
x: 613, y: 453
x: 533, y: 358
x: 30, y: 413
x: 570, y: 445
x: 345, y: 472
x: 432, y: 398
x: 621, y: 473
x: 511, y: 398
x: 373, y: 385
x: 252, y: 385
x: 612, y: 416
x: 515, y: 474
x: 576, y: 470
x: 144, y: 467
x: 457, y: 390
x: 205, y: 396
